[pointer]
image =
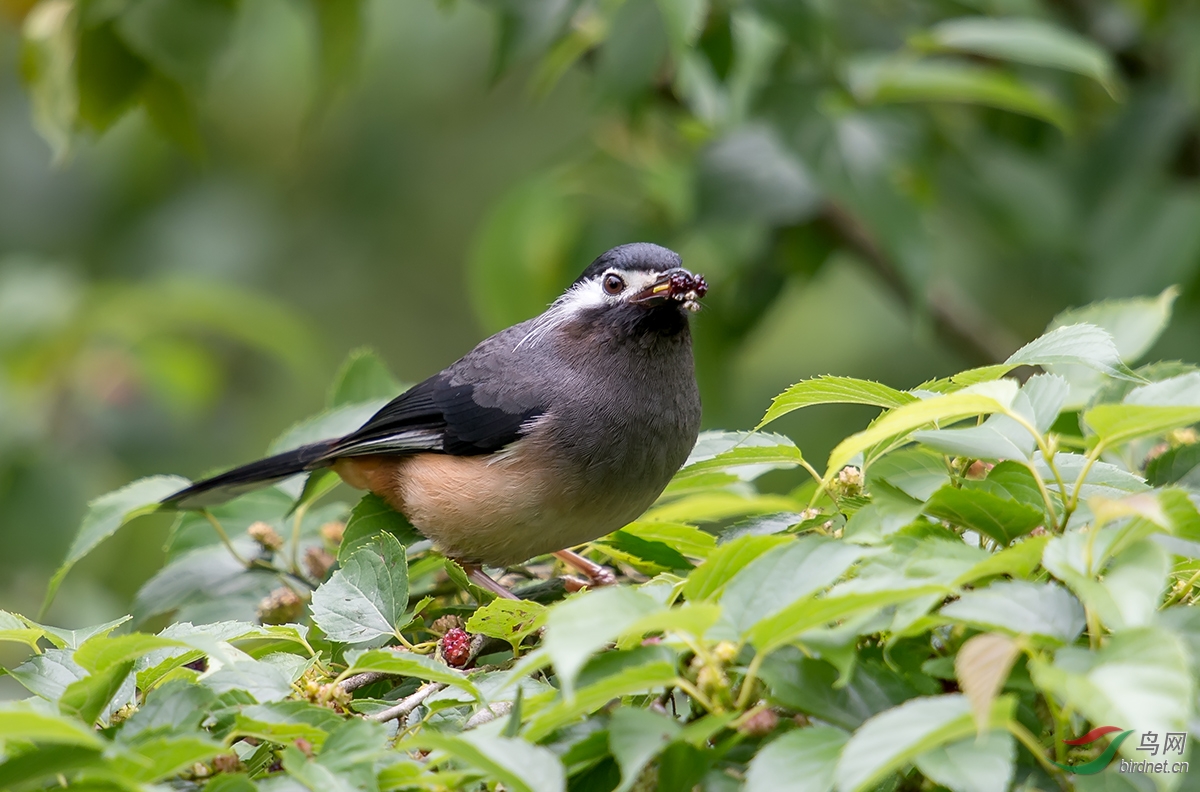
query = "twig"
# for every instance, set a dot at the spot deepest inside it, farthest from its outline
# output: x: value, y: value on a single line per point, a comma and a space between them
x: 350, y: 684
x: 488, y: 714
x: 964, y: 326
x: 407, y: 705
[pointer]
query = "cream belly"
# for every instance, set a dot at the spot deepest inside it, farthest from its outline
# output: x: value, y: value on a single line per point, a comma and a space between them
x: 491, y: 510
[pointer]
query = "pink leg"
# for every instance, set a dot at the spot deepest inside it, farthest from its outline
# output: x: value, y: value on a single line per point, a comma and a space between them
x: 476, y: 575
x: 597, y: 574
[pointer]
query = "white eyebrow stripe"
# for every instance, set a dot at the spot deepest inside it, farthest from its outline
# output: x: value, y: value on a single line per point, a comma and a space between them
x: 582, y: 296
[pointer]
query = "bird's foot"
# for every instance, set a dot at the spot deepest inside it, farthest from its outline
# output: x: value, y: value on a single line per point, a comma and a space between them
x: 597, y: 574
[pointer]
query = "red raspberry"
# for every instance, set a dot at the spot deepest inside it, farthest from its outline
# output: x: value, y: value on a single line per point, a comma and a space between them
x: 456, y: 647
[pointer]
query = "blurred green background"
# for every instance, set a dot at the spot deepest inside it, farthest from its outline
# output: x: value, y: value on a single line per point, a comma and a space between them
x: 206, y: 204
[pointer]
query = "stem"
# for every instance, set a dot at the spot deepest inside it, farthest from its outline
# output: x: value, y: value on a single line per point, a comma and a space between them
x: 301, y: 510
x: 407, y: 705
x: 1046, y: 455
x: 216, y: 524
x: 1037, y: 477
x: 749, y: 680
x: 694, y: 692
x: 1030, y: 743
x: 1184, y: 591
x: 1087, y: 468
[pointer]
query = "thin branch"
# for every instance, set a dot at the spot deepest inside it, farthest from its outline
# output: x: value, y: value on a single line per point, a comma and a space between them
x: 961, y: 324
x: 407, y: 705
x: 350, y: 684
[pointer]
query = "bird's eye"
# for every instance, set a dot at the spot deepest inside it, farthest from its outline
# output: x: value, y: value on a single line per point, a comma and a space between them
x: 613, y: 284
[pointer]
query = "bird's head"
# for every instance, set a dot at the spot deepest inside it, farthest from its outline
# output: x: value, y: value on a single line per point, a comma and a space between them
x: 639, y: 274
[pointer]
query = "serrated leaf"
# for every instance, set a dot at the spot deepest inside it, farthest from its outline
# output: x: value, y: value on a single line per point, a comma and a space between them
x: 1173, y: 464
x: 1030, y: 41
x: 72, y: 639
x: 368, y: 596
x: 812, y: 686
x: 981, y: 667
x: 508, y: 620
x: 46, y: 762
x: 17, y: 630
x: 687, y: 539
x: 370, y: 517
x: 754, y: 455
x: 998, y: 518
x: 1021, y: 608
x: 176, y: 706
x: 834, y: 390
x: 265, y: 682
x: 108, y: 513
x: 800, y: 761
x: 974, y: 764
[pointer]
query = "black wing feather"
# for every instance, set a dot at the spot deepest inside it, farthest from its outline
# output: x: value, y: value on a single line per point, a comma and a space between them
x: 465, y: 426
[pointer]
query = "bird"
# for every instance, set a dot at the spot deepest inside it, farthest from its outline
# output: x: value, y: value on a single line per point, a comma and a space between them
x: 547, y: 435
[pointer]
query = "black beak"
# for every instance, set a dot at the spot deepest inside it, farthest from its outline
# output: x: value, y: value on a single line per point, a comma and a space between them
x: 676, y: 284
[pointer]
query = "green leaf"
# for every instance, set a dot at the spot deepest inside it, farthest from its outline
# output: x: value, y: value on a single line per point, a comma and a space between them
x: 834, y: 390
x: 325, y: 426
x: 684, y: 20
x: 988, y: 397
x: 786, y: 625
x: 181, y: 38
x: 72, y: 639
x: 48, y: 46
x: 408, y: 664
x: 1173, y: 464
x: 1130, y: 590
x: 17, y: 630
x: 371, y: 517
x: 630, y: 679
x: 265, y: 682
x: 812, y: 687
x: 578, y: 627
x: 109, y: 76
x: 1028, y: 41
x: 100, y: 652
x: 799, y: 761
x: 892, y: 739
x: 19, y: 721
x: 1018, y: 561
x: 45, y: 762
x: 1080, y: 344
x: 87, y: 698
x: 48, y: 674
x: 974, y: 764
x: 782, y: 575
x: 508, y: 620
x: 285, y: 721
x: 645, y: 553
x: 1135, y: 323
x: 1115, y: 424
x: 745, y: 454
x: 635, y: 737
x: 1022, y: 608
x: 687, y: 539
x: 998, y: 518
x: 711, y: 577
x: 714, y: 506
x: 368, y: 596
x: 176, y: 706
x: 363, y: 377
x: 887, y: 81
x: 516, y: 764
x: 158, y: 758
x: 108, y: 513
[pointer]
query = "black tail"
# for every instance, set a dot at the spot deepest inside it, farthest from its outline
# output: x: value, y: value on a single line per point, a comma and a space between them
x: 218, y: 489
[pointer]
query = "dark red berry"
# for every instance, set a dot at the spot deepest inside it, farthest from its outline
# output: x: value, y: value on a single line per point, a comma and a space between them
x: 200, y: 665
x: 456, y: 647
